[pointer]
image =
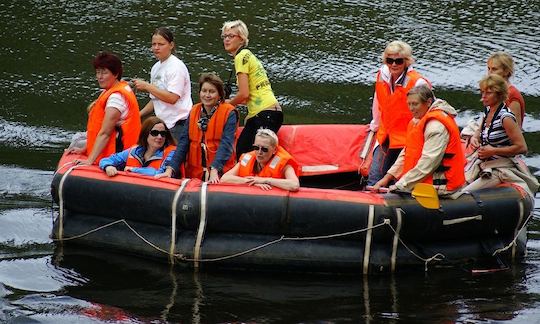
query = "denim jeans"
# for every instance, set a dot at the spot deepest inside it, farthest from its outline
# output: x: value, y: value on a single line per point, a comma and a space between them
x: 383, y: 159
x: 177, y: 129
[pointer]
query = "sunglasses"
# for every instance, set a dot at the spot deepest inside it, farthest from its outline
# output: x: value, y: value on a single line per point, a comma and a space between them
x: 398, y: 61
x: 155, y: 132
x: 260, y: 148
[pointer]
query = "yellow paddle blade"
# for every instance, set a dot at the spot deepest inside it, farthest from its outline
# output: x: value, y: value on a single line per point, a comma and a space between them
x: 426, y: 195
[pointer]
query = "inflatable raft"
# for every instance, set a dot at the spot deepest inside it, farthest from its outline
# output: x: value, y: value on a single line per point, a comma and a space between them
x: 189, y: 222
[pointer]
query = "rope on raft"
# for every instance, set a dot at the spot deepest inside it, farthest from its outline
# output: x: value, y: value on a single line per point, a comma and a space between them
x: 436, y: 257
x: 518, y: 232
x: 181, y: 257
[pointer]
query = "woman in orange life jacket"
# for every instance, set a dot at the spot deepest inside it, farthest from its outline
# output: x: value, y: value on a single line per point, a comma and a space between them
x: 390, y: 112
x: 155, y: 146
x: 113, y: 120
x: 206, y: 144
x: 433, y: 152
x: 266, y: 166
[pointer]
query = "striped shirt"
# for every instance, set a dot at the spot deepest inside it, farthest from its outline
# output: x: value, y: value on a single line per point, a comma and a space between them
x: 495, y: 134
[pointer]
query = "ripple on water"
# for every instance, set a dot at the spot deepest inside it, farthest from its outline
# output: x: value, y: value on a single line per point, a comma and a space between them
x: 24, y: 184
x: 38, y: 275
x: 24, y: 228
x: 18, y: 134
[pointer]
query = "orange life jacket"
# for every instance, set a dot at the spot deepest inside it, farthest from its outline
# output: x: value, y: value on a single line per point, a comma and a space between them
x: 211, y: 140
x: 130, y: 128
x: 273, y: 169
x: 395, y: 113
x: 154, y: 162
x: 450, y: 173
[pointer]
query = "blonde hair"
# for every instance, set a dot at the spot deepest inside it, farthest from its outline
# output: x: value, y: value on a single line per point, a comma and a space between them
x: 495, y: 83
x: 268, y: 133
x: 240, y: 27
x: 505, y: 60
x: 401, y: 48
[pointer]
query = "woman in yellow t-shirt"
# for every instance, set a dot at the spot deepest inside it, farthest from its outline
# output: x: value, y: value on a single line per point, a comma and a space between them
x: 254, y: 87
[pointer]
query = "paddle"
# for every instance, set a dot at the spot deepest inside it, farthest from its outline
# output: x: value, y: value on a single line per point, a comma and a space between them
x: 424, y: 193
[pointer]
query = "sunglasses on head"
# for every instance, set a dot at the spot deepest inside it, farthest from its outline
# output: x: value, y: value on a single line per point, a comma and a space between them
x: 398, y: 61
x: 260, y: 148
x: 155, y: 132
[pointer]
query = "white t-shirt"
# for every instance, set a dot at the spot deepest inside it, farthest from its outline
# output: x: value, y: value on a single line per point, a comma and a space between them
x: 117, y: 101
x: 172, y: 75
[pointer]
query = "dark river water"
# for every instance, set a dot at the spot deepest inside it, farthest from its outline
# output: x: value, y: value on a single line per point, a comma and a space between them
x: 321, y: 57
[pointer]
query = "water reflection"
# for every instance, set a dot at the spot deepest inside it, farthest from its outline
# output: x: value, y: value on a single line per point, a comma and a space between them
x: 185, y: 296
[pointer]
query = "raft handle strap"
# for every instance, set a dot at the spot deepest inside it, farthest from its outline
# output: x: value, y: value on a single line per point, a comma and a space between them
x: 461, y: 220
x: 174, y: 211
x: 202, y: 226
x: 395, y: 242
x: 60, y: 233
x: 367, y: 248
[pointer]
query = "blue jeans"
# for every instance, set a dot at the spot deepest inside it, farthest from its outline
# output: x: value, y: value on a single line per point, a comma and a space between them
x: 383, y: 159
x: 177, y: 129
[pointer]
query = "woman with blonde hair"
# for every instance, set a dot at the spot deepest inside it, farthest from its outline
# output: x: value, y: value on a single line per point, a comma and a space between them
x: 502, y: 64
x: 254, y: 87
x: 391, y: 115
x: 267, y: 165
x: 498, y: 140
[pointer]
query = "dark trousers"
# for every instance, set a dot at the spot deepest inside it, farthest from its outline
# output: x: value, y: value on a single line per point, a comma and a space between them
x: 270, y: 119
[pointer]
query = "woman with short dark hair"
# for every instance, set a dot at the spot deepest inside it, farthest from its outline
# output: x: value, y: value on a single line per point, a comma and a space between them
x: 113, y: 119
x: 206, y: 144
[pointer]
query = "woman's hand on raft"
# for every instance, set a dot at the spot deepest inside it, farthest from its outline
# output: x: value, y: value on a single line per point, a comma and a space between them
x: 167, y: 174
x: 83, y: 162
x: 260, y: 182
x: 111, y: 171
x: 214, y: 176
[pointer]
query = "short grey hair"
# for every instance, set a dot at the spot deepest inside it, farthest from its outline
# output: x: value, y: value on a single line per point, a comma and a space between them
x: 423, y: 92
x: 240, y: 26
